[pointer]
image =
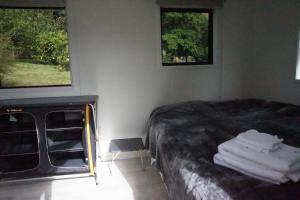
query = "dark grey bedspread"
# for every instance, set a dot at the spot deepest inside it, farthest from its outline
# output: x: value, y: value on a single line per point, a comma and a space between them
x: 184, y: 137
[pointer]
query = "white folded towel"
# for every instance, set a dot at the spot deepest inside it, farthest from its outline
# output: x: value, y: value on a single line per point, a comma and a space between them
x: 253, y: 168
x: 286, y: 159
x: 261, y: 142
x: 218, y: 159
x: 258, y: 148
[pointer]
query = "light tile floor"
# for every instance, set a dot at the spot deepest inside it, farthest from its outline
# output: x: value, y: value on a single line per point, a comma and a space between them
x: 127, y: 182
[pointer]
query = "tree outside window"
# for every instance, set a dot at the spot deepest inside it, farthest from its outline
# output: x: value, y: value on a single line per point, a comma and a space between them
x: 186, y: 36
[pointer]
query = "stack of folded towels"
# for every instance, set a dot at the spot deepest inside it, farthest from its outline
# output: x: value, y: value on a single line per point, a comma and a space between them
x: 261, y: 156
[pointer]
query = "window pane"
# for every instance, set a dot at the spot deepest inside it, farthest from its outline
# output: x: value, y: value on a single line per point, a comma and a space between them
x: 186, y: 36
x: 34, y: 48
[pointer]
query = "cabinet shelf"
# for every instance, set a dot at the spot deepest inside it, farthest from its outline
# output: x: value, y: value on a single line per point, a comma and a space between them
x: 29, y: 132
x: 65, y: 134
x: 67, y: 145
x: 16, y: 127
x: 75, y: 162
x: 68, y: 159
x: 11, y: 149
x: 11, y: 144
x: 15, y: 122
x: 19, y: 149
x: 64, y: 128
x: 65, y: 138
x: 19, y: 154
x: 64, y: 120
x: 18, y: 163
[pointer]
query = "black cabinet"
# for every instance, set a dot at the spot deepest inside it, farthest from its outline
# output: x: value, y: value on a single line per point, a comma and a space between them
x: 47, y: 137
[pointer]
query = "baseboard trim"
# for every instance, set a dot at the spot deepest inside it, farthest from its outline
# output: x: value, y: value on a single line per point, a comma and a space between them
x: 125, y: 155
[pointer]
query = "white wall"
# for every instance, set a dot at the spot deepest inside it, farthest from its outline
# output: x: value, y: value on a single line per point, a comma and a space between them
x: 116, y: 45
x: 276, y: 29
x: 202, y: 81
x: 229, y: 76
x: 260, y: 42
x: 118, y: 53
x: 237, y: 48
x: 197, y: 84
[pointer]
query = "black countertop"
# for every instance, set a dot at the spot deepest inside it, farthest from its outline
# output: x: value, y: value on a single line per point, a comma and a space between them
x: 70, y: 100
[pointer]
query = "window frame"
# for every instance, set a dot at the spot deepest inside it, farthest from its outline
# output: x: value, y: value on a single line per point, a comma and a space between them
x: 210, y: 12
x: 297, y: 77
x: 67, y: 25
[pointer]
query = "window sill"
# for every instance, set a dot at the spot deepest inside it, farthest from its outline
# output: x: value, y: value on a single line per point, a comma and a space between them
x: 38, y: 92
x: 297, y: 80
x: 210, y: 66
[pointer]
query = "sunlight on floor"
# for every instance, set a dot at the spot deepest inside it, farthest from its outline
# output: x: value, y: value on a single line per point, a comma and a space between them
x: 111, y: 186
x: 126, y: 182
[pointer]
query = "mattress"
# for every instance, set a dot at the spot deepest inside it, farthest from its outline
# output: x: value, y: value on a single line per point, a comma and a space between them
x: 183, y: 137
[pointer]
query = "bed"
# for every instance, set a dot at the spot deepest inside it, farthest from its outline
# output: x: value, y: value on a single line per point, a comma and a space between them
x: 182, y: 139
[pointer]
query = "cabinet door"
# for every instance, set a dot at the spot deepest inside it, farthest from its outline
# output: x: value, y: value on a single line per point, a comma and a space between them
x: 90, y: 137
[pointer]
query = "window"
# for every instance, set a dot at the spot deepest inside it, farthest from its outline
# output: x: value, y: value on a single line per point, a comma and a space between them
x: 186, y: 36
x: 34, y: 48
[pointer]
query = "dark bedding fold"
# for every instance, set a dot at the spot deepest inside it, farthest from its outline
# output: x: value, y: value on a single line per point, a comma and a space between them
x: 184, y: 137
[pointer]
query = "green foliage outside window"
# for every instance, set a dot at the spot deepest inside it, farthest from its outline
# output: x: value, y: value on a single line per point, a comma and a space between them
x: 52, y: 48
x: 185, y: 36
x: 37, y: 37
x: 6, y: 55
